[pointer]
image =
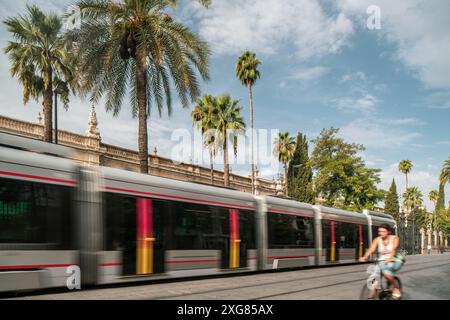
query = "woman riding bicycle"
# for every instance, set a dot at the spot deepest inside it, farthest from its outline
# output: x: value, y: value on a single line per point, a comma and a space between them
x: 389, y: 260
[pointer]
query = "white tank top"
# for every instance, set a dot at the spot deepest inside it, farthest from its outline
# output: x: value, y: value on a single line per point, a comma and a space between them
x: 385, y: 250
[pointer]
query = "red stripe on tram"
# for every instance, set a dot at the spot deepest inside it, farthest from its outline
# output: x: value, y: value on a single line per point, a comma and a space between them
x: 177, y: 197
x: 29, y: 176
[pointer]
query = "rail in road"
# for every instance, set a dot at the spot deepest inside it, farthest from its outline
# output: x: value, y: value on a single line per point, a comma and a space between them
x: 422, y: 278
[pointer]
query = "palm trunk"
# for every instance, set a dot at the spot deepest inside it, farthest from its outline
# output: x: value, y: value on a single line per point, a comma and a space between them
x: 141, y: 84
x: 226, y: 169
x: 406, y: 175
x: 48, y: 106
x: 285, y: 179
x: 212, y: 166
x: 250, y: 94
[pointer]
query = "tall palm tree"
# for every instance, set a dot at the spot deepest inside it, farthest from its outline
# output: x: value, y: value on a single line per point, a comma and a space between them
x: 413, y: 198
x: 445, y: 172
x: 134, y: 48
x: 247, y: 72
x: 203, y: 118
x: 434, y: 196
x: 40, y: 60
x: 227, y: 116
x: 284, y: 148
x: 405, y: 167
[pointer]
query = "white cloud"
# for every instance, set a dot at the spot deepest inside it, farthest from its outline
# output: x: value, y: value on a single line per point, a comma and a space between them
x: 405, y: 121
x: 420, y: 29
x: 265, y: 26
x: 365, y: 103
x: 444, y: 143
x: 424, y: 180
x: 378, y: 133
x: 308, y: 74
x: 357, y: 76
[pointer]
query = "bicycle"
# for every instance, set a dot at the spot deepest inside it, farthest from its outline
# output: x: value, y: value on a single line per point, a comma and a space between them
x: 383, y: 289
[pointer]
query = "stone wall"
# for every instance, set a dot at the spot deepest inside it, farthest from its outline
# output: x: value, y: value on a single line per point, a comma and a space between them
x: 89, y: 150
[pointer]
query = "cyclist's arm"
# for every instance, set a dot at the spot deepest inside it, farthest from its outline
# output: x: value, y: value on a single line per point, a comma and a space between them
x: 394, y: 248
x: 372, y: 249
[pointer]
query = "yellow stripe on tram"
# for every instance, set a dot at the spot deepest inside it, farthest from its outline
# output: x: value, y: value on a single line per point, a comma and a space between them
x: 333, y: 249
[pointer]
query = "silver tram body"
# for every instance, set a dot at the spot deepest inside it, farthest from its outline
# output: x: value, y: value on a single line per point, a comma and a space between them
x: 120, y: 226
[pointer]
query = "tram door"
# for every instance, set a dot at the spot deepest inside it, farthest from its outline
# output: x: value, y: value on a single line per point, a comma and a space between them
x: 330, y: 234
x: 234, y: 254
x: 149, y: 249
x: 143, y: 253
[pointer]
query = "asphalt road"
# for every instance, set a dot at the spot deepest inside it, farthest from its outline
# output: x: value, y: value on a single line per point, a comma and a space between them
x: 423, y: 278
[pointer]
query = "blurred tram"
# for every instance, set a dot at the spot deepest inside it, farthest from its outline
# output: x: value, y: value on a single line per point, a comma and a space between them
x: 120, y: 226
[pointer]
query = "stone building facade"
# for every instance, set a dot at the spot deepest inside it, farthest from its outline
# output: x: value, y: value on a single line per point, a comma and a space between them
x: 90, y: 150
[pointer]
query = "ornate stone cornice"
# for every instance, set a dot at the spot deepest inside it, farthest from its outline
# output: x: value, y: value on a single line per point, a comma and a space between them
x: 89, y: 150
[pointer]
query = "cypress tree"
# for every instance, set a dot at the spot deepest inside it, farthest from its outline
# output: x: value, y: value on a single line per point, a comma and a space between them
x: 300, y: 178
x: 440, y: 204
x: 391, y: 204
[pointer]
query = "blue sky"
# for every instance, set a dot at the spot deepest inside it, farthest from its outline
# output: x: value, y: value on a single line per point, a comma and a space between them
x: 388, y: 89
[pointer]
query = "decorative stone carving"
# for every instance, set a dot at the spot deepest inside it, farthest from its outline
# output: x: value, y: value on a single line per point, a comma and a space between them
x: 89, y: 150
x: 39, y: 119
x: 92, y: 131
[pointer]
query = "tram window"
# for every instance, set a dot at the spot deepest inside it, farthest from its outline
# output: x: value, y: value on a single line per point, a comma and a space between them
x: 120, y: 221
x: 374, y: 232
x: 347, y: 235
x: 247, y: 228
x: 365, y: 234
x: 194, y: 228
x: 287, y: 231
x: 33, y: 213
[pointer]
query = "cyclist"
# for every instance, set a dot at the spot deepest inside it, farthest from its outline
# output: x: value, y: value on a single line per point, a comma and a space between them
x: 389, y: 260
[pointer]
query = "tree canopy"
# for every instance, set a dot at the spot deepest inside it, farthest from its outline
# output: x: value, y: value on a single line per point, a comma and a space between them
x: 341, y: 176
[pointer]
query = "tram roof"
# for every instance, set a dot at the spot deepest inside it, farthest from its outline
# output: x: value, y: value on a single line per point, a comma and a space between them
x: 288, y: 203
x: 27, y: 144
x: 175, y: 185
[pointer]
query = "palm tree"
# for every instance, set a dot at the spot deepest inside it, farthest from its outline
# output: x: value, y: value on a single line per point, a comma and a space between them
x: 445, y: 172
x: 413, y: 198
x: 284, y: 148
x: 405, y: 167
x: 203, y: 118
x: 434, y: 196
x: 247, y: 72
x: 227, y: 116
x: 40, y: 60
x: 133, y: 48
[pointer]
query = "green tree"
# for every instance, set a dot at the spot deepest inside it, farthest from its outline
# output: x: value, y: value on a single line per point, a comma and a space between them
x: 283, y: 149
x: 445, y: 172
x: 203, y: 118
x: 40, y: 60
x: 405, y: 167
x: 227, y: 117
x: 342, y: 178
x: 433, y: 195
x: 300, y: 172
x: 134, y: 48
x: 440, y: 203
x: 413, y: 198
x: 391, y: 203
x: 247, y: 72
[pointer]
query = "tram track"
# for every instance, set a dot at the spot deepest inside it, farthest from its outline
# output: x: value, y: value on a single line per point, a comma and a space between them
x: 302, y: 279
